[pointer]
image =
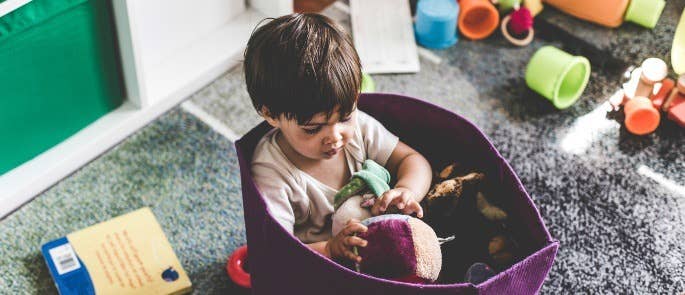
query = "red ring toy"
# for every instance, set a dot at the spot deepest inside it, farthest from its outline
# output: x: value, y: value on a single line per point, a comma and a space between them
x: 236, y: 267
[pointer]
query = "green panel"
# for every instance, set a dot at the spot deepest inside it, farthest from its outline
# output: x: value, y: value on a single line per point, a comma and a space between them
x: 32, y: 14
x: 56, y: 76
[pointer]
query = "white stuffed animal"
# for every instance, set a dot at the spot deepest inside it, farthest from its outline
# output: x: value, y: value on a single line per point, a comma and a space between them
x: 356, y: 207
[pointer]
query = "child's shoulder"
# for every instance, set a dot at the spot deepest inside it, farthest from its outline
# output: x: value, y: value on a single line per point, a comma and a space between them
x: 363, y: 116
x: 364, y: 120
x: 269, y: 165
x: 369, y: 125
x: 378, y: 142
x: 266, y: 149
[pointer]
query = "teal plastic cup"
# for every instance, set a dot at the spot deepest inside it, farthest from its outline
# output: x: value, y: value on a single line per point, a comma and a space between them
x: 557, y: 75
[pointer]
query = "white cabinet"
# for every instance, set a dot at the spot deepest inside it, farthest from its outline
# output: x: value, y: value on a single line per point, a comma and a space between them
x: 169, y: 50
x: 170, y: 47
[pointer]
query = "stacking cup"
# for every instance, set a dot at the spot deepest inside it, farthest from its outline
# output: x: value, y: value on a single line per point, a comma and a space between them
x: 435, y: 25
x: 645, y: 12
x: 477, y: 18
x: 641, y: 116
x: 507, y: 5
x: 557, y: 75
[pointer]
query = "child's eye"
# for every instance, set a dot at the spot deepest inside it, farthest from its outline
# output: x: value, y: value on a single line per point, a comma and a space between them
x: 346, y: 119
x: 312, y: 131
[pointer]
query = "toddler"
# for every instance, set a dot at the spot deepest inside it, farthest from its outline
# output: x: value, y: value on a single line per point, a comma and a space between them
x: 304, y: 77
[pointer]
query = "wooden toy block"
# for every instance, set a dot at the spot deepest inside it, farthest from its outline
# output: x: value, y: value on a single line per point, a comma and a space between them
x: 678, y: 99
x: 654, y: 70
x: 677, y: 95
x: 677, y: 114
x: 663, y: 93
x: 675, y: 105
x: 535, y: 6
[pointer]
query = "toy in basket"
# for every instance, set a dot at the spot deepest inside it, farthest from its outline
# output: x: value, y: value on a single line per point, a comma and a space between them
x: 279, y: 261
x: 401, y: 247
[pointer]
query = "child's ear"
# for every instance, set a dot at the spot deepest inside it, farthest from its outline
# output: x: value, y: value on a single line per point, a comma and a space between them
x: 264, y: 112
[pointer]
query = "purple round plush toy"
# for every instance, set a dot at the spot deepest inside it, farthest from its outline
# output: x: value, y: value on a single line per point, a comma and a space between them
x: 400, y: 247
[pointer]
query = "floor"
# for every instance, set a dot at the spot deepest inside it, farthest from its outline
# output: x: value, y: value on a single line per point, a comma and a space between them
x: 615, y: 201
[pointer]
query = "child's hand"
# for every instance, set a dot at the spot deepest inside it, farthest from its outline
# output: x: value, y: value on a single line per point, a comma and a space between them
x: 341, y: 245
x: 400, y: 197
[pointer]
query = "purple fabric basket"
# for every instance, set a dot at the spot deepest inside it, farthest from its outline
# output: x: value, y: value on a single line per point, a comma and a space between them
x: 279, y: 263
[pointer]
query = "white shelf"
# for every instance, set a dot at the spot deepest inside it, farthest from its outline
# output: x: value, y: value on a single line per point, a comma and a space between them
x: 180, y: 75
x: 188, y: 67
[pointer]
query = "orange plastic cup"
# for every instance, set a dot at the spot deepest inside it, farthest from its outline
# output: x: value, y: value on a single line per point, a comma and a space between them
x: 641, y: 116
x: 608, y: 13
x: 478, y: 19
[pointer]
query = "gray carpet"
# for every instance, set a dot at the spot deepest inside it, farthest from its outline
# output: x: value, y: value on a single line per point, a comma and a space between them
x: 615, y: 201
x: 184, y: 171
x: 629, y: 43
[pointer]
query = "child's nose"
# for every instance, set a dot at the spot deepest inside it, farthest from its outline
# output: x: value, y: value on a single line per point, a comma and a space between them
x: 336, y: 134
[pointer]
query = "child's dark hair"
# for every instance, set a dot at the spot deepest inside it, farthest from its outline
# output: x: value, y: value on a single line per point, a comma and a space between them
x: 299, y: 65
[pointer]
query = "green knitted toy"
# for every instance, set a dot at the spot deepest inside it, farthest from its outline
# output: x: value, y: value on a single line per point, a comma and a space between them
x: 349, y: 202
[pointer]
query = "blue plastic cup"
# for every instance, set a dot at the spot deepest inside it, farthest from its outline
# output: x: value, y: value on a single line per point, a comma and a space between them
x: 436, y: 23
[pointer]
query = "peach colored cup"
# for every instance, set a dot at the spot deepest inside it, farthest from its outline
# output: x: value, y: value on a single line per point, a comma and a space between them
x: 478, y: 19
x: 611, y: 13
x: 641, y: 116
x: 608, y: 13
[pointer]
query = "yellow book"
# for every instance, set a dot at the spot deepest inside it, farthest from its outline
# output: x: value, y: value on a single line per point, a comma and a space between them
x: 128, y: 254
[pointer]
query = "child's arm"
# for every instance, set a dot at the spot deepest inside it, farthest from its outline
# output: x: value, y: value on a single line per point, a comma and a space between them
x: 413, y: 181
x: 320, y: 247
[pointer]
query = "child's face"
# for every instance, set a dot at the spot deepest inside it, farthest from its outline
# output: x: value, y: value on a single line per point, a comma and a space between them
x: 319, y: 139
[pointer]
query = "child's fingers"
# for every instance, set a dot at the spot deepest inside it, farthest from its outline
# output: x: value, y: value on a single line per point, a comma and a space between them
x: 401, y: 201
x: 413, y: 207
x: 387, y: 198
x: 352, y: 228
x: 409, y: 209
x: 351, y: 256
x: 352, y: 241
x: 377, y: 208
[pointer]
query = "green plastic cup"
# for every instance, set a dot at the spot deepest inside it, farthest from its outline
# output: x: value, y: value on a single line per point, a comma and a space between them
x: 645, y: 12
x: 557, y: 75
x: 367, y: 83
x: 507, y: 5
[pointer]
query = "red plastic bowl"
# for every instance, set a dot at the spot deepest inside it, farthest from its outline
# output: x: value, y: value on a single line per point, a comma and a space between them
x: 236, y: 267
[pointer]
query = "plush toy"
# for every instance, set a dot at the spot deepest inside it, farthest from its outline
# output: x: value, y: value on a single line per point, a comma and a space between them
x: 405, y: 248
x: 402, y: 248
x: 355, y: 198
x: 452, y: 185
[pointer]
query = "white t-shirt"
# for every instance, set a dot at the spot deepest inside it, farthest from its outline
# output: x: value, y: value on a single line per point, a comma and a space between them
x: 299, y: 202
